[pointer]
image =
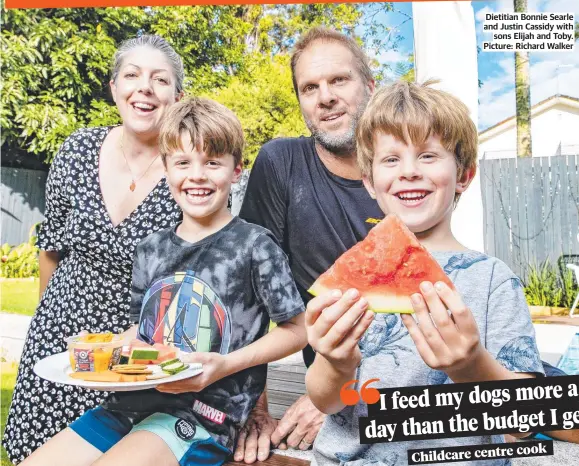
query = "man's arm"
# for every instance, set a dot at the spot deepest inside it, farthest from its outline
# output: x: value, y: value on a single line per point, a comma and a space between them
x: 299, y: 426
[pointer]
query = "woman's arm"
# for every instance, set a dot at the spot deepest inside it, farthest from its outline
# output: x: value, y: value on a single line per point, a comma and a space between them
x: 48, y: 261
x: 52, y: 232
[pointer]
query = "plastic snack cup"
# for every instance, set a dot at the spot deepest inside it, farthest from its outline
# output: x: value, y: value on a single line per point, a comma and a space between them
x: 94, y: 352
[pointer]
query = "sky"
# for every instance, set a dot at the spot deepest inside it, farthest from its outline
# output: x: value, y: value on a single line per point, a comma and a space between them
x: 551, y: 72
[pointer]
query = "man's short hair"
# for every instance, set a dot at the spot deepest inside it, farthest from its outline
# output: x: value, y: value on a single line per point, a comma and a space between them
x: 212, y: 127
x: 323, y: 34
x: 412, y: 113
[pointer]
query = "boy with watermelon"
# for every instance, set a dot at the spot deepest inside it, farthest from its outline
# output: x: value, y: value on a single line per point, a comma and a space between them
x: 417, y: 149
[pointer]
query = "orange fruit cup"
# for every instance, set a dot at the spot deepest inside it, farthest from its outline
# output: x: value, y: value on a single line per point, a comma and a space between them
x: 94, y: 352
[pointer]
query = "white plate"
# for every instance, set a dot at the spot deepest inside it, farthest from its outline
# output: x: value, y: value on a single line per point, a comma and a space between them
x: 56, y: 368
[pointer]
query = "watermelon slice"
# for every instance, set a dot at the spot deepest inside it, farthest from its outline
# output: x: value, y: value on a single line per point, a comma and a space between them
x: 165, y: 353
x: 148, y: 354
x: 387, y: 268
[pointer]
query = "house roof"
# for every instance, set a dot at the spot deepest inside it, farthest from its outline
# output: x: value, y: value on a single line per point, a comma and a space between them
x: 535, y: 109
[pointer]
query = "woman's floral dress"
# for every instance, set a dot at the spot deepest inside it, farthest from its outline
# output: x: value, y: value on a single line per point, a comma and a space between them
x: 90, y: 289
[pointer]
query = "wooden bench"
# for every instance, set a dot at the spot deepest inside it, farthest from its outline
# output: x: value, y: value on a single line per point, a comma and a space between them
x: 285, y: 384
x: 274, y: 460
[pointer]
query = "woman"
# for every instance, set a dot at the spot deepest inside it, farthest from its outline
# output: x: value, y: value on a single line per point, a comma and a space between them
x: 106, y: 191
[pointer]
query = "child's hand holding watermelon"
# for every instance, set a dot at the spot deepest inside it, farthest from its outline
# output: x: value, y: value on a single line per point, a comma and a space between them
x: 448, y: 342
x: 335, y: 322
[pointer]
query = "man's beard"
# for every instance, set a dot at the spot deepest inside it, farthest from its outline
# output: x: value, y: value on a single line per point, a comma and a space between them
x: 341, y: 145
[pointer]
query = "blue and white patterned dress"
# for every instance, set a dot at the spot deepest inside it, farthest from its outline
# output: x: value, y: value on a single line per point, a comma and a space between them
x: 90, y: 289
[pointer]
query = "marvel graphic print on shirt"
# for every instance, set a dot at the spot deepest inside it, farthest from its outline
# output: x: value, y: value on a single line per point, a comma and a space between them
x: 217, y: 295
x: 184, y: 312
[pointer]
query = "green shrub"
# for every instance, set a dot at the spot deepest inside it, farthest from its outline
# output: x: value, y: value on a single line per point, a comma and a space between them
x: 20, y: 261
x: 570, y: 288
x: 546, y: 286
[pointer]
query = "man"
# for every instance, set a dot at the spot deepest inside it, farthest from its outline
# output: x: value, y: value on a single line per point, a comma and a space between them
x: 309, y: 193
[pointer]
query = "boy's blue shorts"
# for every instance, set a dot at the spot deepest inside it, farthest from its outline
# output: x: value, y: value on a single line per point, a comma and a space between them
x: 190, y: 443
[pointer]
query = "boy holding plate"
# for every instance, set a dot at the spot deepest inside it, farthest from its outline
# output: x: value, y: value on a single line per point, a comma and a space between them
x: 208, y: 286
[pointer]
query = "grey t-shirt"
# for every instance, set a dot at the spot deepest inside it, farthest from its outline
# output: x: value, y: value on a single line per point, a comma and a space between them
x: 495, y: 297
x: 216, y: 295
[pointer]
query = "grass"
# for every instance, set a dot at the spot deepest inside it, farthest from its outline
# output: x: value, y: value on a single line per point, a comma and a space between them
x: 19, y: 295
x: 8, y: 379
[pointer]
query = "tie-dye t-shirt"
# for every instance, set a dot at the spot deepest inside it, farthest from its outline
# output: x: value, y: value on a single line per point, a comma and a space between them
x: 495, y: 297
x: 216, y: 295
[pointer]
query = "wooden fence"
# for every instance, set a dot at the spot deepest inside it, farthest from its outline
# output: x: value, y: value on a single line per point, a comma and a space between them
x: 531, y: 209
x: 22, y: 203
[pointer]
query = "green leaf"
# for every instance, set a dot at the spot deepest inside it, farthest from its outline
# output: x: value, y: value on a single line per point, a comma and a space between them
x: 55, y: 64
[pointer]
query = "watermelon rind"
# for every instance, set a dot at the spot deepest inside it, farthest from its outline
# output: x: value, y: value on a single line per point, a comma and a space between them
x: 144, y: 353
x: 379, y: 303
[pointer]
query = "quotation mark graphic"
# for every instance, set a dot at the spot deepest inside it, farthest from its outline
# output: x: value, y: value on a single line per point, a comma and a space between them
x: 350, y: 397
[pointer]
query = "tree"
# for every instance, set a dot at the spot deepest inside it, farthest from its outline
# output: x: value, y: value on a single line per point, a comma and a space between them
x: 55, y: 63
x: 54, y: 72
x: 405, y: 70
x: 381, y: 36
x: 523, y: 95
x: 265, y: 104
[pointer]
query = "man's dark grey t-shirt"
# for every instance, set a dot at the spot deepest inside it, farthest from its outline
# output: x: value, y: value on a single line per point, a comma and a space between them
x: 315, y: 215
x: 216, y: 295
